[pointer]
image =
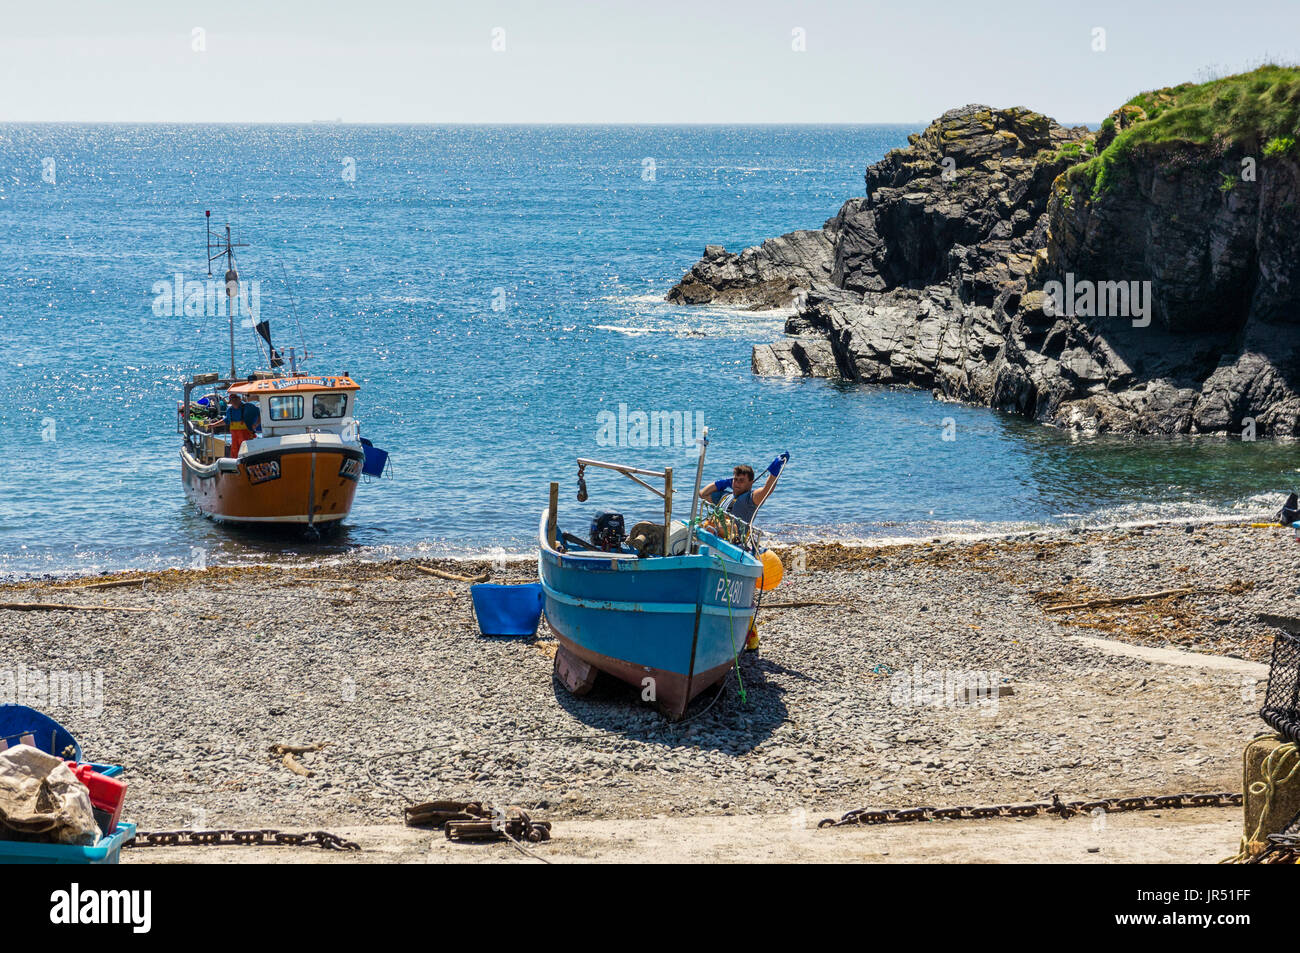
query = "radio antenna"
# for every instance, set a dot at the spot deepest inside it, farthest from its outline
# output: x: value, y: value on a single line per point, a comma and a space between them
x: 294, y: 304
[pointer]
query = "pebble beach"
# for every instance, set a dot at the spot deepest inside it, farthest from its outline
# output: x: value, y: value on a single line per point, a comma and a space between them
x: 849, y: 703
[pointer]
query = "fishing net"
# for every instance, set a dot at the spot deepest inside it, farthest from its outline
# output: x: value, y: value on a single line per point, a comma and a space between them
x: 715, y: 519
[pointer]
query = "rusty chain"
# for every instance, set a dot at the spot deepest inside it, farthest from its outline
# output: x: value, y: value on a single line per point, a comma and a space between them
x: 478, y: 821
x: 240, y: 838
x: 1282, y: 848
x: 1064, y: 809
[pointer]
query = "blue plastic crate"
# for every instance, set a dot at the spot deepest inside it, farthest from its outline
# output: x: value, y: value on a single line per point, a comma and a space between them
x: 375, y: 461
x: 107, y: 851
x: 507, y: 610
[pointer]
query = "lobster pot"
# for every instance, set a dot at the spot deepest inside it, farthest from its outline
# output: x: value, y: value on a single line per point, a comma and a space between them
x: 1282, y: 701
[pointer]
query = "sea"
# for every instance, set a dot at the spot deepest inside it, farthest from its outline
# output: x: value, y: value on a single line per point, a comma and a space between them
x: 498, y: 292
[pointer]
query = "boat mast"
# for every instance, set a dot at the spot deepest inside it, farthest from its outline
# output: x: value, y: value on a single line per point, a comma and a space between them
x: 232, y: 280
x: 232, y: 289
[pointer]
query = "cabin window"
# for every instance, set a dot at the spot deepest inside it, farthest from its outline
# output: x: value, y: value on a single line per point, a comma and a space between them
x: 286, y: 407
x: 329, y: 405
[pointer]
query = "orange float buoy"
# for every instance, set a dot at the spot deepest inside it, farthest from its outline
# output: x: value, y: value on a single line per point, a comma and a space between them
x: 773, y: 571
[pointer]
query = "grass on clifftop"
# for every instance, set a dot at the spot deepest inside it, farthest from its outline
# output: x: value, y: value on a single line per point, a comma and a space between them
x: 1257, y: 110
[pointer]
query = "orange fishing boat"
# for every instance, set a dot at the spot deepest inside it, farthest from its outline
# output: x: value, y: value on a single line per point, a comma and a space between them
x: 302, y: 468
x: 297, y: 460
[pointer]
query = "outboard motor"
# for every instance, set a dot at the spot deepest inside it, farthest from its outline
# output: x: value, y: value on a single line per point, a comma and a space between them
x: 607, y: 532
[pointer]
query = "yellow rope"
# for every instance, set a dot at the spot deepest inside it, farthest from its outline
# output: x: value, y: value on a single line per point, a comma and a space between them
x: 1271, y: 770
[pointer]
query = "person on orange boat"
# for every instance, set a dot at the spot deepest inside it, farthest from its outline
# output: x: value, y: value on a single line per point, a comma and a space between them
x: 242, y: 419
x: 745, y: 501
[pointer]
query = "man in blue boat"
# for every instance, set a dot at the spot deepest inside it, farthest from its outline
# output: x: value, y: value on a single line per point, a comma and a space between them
x: 745, y: 501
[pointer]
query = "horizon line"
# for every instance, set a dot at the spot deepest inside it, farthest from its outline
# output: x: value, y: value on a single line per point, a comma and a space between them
x: 481, y: 123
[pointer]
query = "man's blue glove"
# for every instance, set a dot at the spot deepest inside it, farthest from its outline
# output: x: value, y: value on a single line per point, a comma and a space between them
x: 722, y: 486
x: 775, y: 466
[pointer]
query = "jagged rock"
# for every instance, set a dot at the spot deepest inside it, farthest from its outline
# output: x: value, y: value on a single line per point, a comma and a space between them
x: 977, y: 180
x: 1172, y: 224
x: 795, y: 357
x: 771, y: 275
x: 1223, y: 275
x: 1176, y: 303
x: 926, y: 338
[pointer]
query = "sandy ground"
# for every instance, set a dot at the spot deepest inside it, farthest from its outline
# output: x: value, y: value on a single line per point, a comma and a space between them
x: 1191, y: 836
x: 849, y: 704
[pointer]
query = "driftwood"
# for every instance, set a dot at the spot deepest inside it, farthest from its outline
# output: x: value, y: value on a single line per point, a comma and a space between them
x: 111, y: 584
x: 339, y: 585
x: 287, y: 753
x: 69, y: 607
x: 350, y: 599
x: 801, y: 605
x: 1124, y: 600
x: 293, y: 765
x: 441, y: 574
x: 297, y: 749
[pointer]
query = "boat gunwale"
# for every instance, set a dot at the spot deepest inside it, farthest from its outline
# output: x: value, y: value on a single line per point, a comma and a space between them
x: 745, y: 564
x: 353, y: 451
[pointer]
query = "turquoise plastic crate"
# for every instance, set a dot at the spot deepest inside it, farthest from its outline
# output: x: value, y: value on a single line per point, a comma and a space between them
x: 107, y: 851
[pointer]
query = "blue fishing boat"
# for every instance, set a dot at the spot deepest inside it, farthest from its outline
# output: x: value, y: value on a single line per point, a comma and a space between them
x: 665, y: 608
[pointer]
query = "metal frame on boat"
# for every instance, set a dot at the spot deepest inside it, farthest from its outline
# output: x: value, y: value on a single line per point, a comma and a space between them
x: 670, y: 624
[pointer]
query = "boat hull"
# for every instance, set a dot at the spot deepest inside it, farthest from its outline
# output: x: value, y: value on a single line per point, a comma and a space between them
x: 303, y: 487
x: 671, y: 625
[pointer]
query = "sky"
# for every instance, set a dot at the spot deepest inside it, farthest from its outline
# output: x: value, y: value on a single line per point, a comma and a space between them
x: 668, y: 61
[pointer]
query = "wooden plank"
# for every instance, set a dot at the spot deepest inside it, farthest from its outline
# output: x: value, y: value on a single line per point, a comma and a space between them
x: 552, y: 516
x: 1125, y: 600
x: 111, y: 584
x: 574, y: 674
x: 668, y: 507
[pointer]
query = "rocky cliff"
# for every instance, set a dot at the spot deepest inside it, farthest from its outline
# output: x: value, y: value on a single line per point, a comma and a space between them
x: 1144, y: 278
